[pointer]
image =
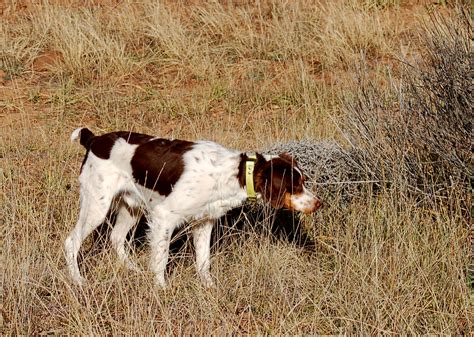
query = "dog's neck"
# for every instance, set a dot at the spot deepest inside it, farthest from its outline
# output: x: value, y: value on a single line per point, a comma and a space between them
x: 246, y: 174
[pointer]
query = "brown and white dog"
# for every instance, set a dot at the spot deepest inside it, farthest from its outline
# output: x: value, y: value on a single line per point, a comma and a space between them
x: 172, y: 181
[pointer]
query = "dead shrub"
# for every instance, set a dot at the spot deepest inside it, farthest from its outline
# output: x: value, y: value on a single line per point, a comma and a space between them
x: 416, y: 133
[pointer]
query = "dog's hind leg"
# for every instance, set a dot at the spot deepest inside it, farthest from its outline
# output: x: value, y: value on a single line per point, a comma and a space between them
x: 126, y: 219
x: 93, y: 211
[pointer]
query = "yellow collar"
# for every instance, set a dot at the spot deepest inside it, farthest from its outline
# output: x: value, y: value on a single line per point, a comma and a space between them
x: 249, y: 167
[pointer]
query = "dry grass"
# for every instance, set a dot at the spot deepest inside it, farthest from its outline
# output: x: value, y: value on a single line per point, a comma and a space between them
x: 246, y: 75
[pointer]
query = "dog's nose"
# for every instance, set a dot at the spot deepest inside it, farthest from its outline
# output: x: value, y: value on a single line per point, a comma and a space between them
x: 313, y: 206
x: 316, y: 204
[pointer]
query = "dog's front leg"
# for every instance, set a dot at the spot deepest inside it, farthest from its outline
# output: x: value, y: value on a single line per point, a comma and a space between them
x: 162, y: 227
x: 202, y: 246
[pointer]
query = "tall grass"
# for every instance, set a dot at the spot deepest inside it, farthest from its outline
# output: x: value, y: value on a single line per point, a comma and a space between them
x: 245, y: 75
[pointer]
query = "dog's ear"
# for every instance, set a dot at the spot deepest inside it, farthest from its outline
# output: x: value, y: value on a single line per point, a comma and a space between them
x: 272, y: 193
x: 260, y: 158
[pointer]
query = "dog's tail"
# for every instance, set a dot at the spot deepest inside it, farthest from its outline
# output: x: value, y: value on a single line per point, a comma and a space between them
x: 84, y: 135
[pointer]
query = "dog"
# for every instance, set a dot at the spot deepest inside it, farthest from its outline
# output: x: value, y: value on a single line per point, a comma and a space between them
x: 174, y: 182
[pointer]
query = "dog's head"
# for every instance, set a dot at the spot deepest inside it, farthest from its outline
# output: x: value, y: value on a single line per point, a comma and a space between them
x: 281, y: 183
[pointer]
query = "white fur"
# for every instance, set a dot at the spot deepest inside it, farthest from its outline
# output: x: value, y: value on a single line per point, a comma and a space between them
x: 304, y: 202
x: 76, y: 134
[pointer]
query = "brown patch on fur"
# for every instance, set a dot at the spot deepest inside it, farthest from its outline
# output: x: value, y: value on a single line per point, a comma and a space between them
x: 102, y: 145
x: 158, y: 164
x: 286, y: 156
x: 241, y: 172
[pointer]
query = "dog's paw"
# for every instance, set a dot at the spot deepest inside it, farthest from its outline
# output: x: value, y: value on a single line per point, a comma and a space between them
x: 161, y: 283
x: 207, y: 282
